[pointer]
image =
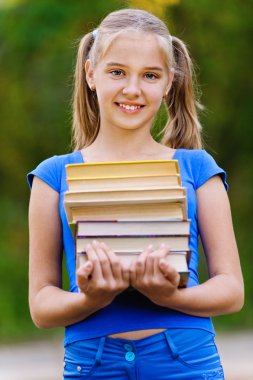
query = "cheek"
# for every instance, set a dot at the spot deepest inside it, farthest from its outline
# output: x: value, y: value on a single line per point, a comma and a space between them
x: 103, y: 93
x: 156, y: 94
x: 107, y: 89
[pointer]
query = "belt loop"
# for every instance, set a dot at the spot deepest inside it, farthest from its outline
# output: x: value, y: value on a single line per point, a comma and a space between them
x: 173, y: 348
x: 100, y: 350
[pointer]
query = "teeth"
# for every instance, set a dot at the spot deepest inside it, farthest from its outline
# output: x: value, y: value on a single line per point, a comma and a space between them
x: 127, y: 107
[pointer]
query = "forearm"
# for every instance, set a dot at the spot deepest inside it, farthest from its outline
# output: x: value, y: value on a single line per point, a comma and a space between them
x: 54, y: 307
x: 221, y: 294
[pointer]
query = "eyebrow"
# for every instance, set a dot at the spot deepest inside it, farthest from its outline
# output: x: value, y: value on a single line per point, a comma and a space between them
x: 155, y: 68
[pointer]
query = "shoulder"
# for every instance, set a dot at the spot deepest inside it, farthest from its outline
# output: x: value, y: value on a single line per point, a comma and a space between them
x: 201, y: 165
x: 193, y: 159
x: 50, y: 170
x: 193, y: 155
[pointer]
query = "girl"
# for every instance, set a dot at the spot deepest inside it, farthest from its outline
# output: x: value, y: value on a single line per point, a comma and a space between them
x: 125, y: 69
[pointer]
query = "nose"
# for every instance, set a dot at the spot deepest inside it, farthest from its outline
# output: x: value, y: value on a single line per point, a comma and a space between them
x: 132, y: 88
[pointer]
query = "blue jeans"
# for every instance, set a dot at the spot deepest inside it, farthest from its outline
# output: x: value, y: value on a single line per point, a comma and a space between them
x: 175, y: 354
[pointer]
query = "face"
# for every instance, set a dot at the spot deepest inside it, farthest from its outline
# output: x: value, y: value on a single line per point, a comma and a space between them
x: 131, y: 80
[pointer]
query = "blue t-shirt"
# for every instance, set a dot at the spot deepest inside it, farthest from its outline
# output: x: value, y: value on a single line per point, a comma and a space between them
x: 130, y: 310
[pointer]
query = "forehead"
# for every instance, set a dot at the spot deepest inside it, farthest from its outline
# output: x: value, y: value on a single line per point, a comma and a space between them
x: 135, y: 48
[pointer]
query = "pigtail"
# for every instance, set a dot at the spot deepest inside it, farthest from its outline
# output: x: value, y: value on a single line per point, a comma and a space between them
x: 183, y: 129
x: 85, y: 105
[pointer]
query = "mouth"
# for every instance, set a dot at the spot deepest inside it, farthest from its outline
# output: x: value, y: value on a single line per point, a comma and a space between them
x: 130, y: 107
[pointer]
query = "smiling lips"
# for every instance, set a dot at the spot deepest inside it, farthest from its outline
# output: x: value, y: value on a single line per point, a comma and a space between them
x: 129, y: 107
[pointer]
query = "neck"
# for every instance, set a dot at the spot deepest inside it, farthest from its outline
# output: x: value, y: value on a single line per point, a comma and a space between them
x: 123, y: 145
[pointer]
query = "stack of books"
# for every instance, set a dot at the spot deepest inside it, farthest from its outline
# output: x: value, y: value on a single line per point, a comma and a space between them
x: 129, y: 205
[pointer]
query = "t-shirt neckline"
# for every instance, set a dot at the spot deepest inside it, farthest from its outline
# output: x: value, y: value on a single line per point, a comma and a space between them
x: 82, y: 159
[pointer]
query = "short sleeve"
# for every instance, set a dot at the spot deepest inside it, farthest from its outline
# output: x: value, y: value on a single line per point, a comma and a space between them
x: 48, y: 171
x: 209, y: 168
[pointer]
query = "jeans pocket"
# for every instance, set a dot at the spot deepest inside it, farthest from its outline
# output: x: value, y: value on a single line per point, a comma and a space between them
x: 73, y: 370
x: 196, y: 349
x: 82, y: 358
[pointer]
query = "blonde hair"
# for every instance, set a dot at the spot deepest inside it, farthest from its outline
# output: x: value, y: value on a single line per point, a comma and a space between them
x: 183, y: 129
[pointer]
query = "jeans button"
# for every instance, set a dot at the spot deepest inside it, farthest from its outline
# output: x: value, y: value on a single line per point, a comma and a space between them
x: 130, y: 356
x: 128, y: 347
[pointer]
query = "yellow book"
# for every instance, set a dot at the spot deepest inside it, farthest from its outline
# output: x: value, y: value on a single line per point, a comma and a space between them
x: 131, y: 203
x: 130, y: 194
x: 122, y: 169
x: 139, y: 211
x: 124, y: 183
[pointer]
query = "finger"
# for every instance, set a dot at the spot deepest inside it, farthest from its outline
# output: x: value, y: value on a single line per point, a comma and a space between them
x: 116, y: 268
x: 150, y: 263
x: 93, y: 257
x: 85, y: 270
x: 140, y: 264
x: 160, y: 253
x: 163, y: 250
x: 169, y: 272
x: 153, y: 257
x: 83, y: 274
x: 104, y: 261
x: 132, y: 272
x: 125, y: 270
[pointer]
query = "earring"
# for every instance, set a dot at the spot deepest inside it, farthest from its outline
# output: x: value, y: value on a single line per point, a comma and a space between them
x: 92, y: 87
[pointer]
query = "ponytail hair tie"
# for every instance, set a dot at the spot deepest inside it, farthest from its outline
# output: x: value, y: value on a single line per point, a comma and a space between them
x: 94, y: 33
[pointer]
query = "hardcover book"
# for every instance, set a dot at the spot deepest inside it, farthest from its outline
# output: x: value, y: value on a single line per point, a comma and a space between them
x: 122, y: 169
x: 131, y: 227
x: 123, y: 183
x: 143, y: 211
x: 135, y: 243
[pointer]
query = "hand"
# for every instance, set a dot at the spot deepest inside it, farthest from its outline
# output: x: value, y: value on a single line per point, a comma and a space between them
x: 152, y: 276
x: 102, y: 277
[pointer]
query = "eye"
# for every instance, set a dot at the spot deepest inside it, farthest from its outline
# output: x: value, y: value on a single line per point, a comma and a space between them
x: 151, y: 76
x: 116, y: 73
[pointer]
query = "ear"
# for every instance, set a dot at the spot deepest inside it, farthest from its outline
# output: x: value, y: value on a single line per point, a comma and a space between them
x: 89, y: 73
x: 170, y: 81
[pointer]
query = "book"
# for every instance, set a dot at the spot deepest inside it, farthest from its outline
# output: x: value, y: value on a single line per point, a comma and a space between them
x: 131, y: 227
x: 178, y: 259
x: 122, y: 169
x: 137, y: 243
x: 123, y: 183
x: 163, y: 210
x: 115, y: 201
x: 70, y: 206
x: 123, y: 195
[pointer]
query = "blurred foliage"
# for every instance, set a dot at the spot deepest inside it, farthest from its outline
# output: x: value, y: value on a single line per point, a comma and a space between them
x: 158, y: 7
x: 38, y: 41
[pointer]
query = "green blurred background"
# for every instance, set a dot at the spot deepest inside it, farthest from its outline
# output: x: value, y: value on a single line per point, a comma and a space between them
x: 38, y: 41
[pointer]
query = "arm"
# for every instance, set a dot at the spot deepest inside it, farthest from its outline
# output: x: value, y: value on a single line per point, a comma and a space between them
x: 222, y: 293
x: 50, y: 305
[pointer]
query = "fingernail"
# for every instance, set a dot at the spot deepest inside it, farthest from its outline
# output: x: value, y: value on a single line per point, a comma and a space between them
x: 88, y: 265
x: 162, y: 264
